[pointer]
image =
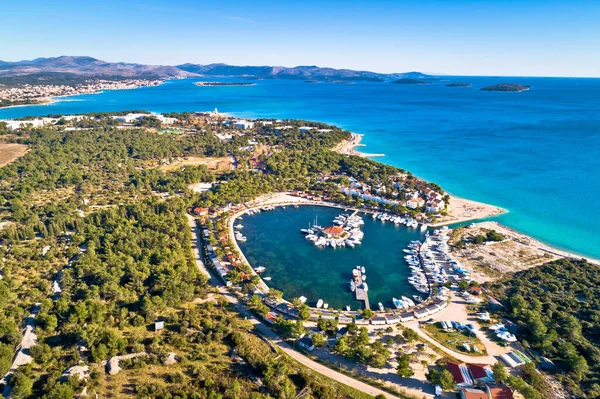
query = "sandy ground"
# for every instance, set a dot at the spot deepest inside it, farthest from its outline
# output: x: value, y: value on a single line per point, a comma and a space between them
x: 518, y: 252
x: 347, y: 147
x: 216, y: 164
x: 461, y: 210
x: 9, y: 152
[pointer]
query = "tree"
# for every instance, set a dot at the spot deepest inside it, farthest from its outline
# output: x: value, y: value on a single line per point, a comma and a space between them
x: 368, y: 313
x: 318, y: 340
x: 433, y: 376
x: 403, y: 369
x: 304, y: 312
x: 22, y: 385
x: 410, y: 335
x: 500, y: 372
x: 447, y: 380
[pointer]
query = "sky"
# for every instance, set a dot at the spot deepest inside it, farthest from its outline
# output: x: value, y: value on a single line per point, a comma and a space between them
x: 494, y: 37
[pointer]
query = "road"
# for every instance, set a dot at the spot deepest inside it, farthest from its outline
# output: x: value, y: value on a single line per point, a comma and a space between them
x: 270, y: 334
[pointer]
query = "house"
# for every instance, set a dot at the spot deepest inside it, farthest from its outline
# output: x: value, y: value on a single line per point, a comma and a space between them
x: 481, y: 372
x: 434, y: 206
x: 200, y: 211
x: 159, y: 325
x: 378, y: 320
x: 305, y: 129
x: 475, y: 290
x: 344, y: 319
x: 419, y: 313
x: 472, y: 393
x: 306, y: 343
x: 407, y: 316
x: 415, y: 203
x: 271, y: 317
x: 243, y: 124
x: 313, y: 317
x: 460, y: 373
x: 392, y: 319
x: 498, y: 391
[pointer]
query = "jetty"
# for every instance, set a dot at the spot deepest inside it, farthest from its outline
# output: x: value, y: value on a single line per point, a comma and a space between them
x: 362, y: 290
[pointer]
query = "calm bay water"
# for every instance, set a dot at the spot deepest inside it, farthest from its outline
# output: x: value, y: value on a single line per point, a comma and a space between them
x: 535, y: 153
x: 299, y: 268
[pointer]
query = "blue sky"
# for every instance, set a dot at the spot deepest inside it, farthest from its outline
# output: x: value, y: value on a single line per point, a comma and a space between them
x: 523, y: 38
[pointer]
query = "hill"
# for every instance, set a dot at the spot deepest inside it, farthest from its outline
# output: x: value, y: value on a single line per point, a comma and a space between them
x: 88, y: 66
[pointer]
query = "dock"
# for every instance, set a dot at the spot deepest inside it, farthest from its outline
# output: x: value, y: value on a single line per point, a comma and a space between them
x: 361, y: 294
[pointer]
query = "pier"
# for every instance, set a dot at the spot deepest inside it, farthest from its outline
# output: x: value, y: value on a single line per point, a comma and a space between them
x: 361, y: 293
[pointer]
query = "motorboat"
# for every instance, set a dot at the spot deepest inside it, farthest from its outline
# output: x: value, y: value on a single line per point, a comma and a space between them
x: 380, y: 305
x: 319, y: 303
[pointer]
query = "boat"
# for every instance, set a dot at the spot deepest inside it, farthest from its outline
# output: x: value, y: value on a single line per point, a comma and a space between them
x: 319, y: 303
x: 348, y: 308
x: 302, y: 299
x: 408, y: 300
x: 267, y: 278
x: 260, y: 269
x: 349, y: 243
x: 239, y: 226
x: 362, y: 269
x: 325, y: 306
x: 352, y: 286
x: 381, y: 306
x: 397, y: 303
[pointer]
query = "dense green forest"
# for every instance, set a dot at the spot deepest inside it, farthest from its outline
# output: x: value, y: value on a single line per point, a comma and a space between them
x: 80, y: 209
x: 557, y: 308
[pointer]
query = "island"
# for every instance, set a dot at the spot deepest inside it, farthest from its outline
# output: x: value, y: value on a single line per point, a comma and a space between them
x: 410, y: 81
x: 510, y: 87
x: 459, y: 85
x: 225, y: 84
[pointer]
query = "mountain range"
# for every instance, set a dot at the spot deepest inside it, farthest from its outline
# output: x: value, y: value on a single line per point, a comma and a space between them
x: 88, y: 66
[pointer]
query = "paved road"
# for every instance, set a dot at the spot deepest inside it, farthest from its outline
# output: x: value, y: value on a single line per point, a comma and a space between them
x: 270, y: 334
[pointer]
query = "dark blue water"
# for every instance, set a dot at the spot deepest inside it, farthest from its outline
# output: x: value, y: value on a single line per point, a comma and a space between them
x: 299, y: 268
x: 535, y: 153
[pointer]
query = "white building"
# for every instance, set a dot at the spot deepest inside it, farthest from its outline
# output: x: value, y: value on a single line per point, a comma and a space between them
x: 243, y: 124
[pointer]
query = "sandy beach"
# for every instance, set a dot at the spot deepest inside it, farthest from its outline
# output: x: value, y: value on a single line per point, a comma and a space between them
x: 347, y: 147
x: 462, y: 210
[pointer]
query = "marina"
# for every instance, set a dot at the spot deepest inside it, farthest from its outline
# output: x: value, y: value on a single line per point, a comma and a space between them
x: 302, y: 270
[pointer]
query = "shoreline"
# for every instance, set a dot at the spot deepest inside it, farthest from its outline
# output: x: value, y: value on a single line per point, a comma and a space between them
x: 347, y: 147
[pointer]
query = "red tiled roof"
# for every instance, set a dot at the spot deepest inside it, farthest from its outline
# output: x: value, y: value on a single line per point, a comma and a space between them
x: 471, y: 393
x: 500, y: 392
x: 333, y: 230
x: 478, y: 370
x: 454, y: 369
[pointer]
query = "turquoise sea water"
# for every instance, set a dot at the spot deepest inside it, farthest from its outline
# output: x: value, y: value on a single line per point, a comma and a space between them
x: 535, y: 153
x: 299, y: 268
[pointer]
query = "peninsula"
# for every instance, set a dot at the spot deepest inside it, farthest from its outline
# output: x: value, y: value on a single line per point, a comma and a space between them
x: 142, y: 269
x: 225, y: 84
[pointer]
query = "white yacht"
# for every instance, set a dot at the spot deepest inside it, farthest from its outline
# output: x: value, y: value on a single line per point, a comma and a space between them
x: 380, y: 305
x: 319, y: 303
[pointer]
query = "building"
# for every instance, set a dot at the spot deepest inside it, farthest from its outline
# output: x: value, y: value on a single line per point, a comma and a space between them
x: 305, y: 129
x: 159, y: 325
x: 434, y: 206
x: 200, y: 211
x: 344, y: 319
x: 472, y: 393
x: 392, y: 319
x: 475, y: 290
x: 461, y: 375
x: 306, y: 343
x: 481, y: 372
x: 407, y: 316
x: 243, y: 124
x: 332, y: 231
x: 415, y: 203
x: 378, y: 320
x: 498, y: 391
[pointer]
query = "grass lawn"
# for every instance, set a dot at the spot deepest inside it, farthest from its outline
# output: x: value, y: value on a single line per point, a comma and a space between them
x: 454, y: 340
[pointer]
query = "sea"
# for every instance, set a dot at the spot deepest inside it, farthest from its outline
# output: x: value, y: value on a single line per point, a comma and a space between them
x: 299, y: 268
x: 535, y: 153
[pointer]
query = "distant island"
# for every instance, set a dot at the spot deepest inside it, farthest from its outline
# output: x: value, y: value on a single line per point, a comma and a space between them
x: 410, y: 81
x: 512, y: 87
x: 459, y: 85
x: 225, y: 84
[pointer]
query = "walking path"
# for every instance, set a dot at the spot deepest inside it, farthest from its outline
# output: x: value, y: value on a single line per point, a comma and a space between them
x: 22, y: 356
x: 270, y: 334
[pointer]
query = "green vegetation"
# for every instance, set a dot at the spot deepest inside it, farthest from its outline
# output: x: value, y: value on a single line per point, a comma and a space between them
x: 455, y: 340
x: 513, y: 87
x: 557, y: 309
x: 81, y: 207
x: 358, y: 347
